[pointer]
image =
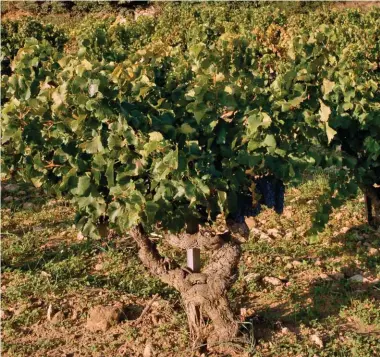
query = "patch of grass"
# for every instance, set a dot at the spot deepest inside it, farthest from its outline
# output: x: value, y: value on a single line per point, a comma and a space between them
x: 24, y: 285
x: 125, y: 273
x: 366, y: 311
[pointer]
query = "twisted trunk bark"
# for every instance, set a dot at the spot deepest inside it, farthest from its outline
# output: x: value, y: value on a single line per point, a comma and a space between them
x: 204, y: 294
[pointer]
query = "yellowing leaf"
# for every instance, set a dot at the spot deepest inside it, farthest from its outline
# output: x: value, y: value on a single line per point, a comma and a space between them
x: 86, y: 64
x: 186, y: 129
x: 219, y: 77
x: 327, y: 86
x: 155, y: 136
x: 229, y: 90
x: 324, y: 112
x: 93, y: 146
x: 266, y: 119
x: 330, y: 132
x: 37, y: 181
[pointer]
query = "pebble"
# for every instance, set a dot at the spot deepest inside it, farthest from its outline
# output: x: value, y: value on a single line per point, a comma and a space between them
x: 296, y: 263
x: 274, y: 232
x: 373, y: 251
x: 101, y: 318
x: 255, y: 232
x: 285, y: 330
x: 249, y: 277
x: 98, y: 266
x: 289, y: 266
x: 265, y: 237
x: 8, y: 199
x: 272, y: 280
x: 317, y: 340
x: 344, y: 230
x: 11, y: 188
x: 28, y: 206
x: 357, y: 278
x: 148, y: 350
x: 289, y: 235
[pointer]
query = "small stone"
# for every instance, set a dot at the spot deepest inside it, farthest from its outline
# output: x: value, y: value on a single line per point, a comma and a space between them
x: 11, y: 188
x: 296, y: 263
x: 289, y: 266
x: 8, y: 199
x: 318, y: 263
x: 265, y: 237
x: 255, y: 232
x: 80, y: 236
x: 252, y: 277
x: 373, y: 251
x: 98, y: 266
x: 101, y: 318
x: 274, y: 232
x: 29, y: 206
x: 357, y: 278
x: 285, y: 330
x: 45, y: 274
x: 310, y: 202
x: 344, y: 230
x: 317, y: 340
x: 289, y: 235
x: 148, y: 350
x: 272, y: 280
x: 21, y: 193
x: 57, y: 318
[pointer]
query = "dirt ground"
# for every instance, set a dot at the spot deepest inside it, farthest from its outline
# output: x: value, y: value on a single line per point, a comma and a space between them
x: 296, y: 295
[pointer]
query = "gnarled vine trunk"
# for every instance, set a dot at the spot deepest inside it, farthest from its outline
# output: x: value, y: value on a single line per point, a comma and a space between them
x: 204, y: 294
x: 372, y: 199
